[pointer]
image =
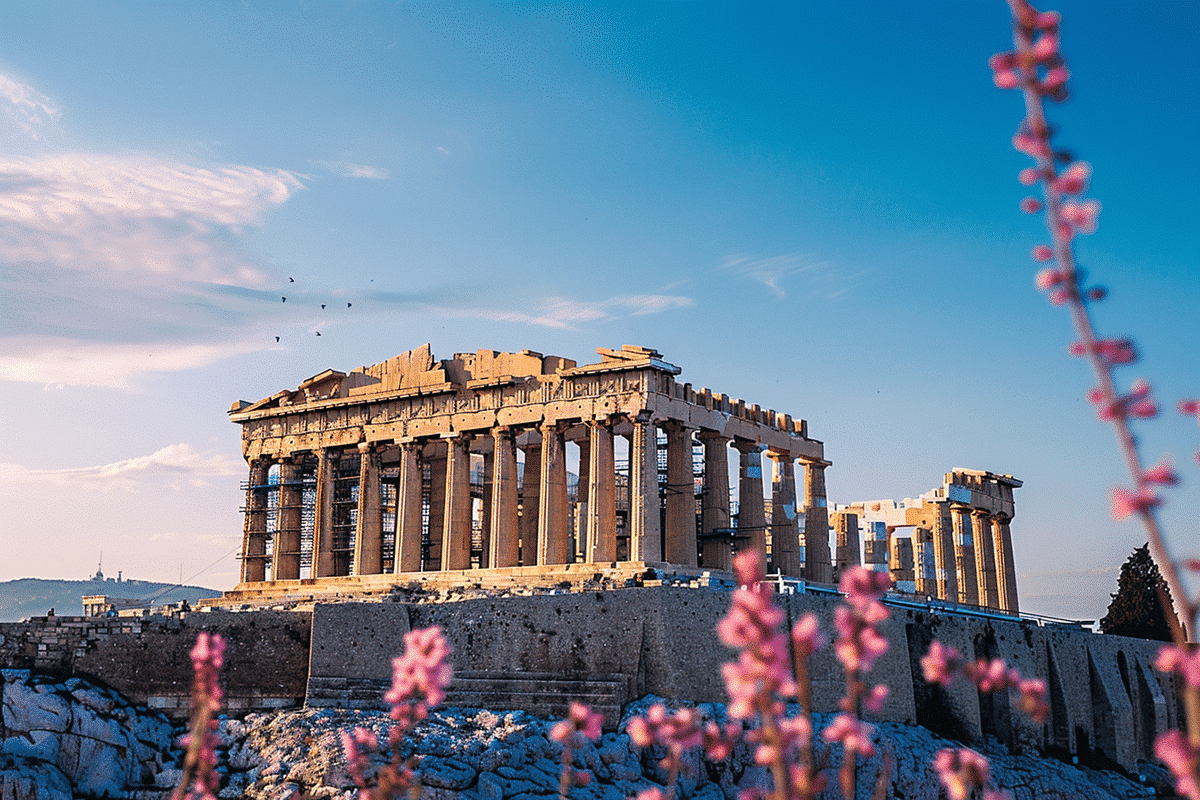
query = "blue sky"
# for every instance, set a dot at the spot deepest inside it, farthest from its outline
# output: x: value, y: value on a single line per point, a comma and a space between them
x: 809, y: 206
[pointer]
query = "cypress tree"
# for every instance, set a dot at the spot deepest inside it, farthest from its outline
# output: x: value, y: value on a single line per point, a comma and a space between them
x: 1136, y: 609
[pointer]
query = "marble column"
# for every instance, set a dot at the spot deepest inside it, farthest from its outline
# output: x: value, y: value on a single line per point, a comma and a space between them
x: 964, y: 555
x: 714, y: 508
x: 680, y: 539
x: 408, y: 509
x: 254, y: 537
x: 945, y: 562
x: 504, y: 542
x: 752, y: 516
x: 552, y: 537
x: 818, y: 566
x: 323, y: 563
x: 287, y: 537
x: 785, y: 536
x: 601, y: 493
x: 924, y: 562
x: 368, y: 541
x: 531, y: 502
x: 645, y: 526
x: 1006, y: 572
x: 436, y: 454
x: 985, y: 559
x: 456, y: 522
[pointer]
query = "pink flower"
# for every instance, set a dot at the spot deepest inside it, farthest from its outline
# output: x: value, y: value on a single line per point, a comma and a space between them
x: 1074, y: 179
x: 580, y: 720
x: 748, y: 567
x: 1190, y: 408
x: 1002, y: 61
x: 1173, y: 749
x: 1125, y: 503
x: 1031, y: 205
x: 1077, y: 349
x: 1117, y: 351
x: 806, y: 636
x: 420, y: 676
x: 1028, y: 176
x: 1006, y: 79
x: 1047, y: 277
x: 940, y: 663
x: 1034, y: 700
x: 1160, y: 473
x: 1055, y: 80
x: 1046, y: 46
x: 1172, y: 658
x: 853, y: 733
x: 961, y: 771
x: 1081, y: 215
x: 1031, y: 145
x: 878, y: 696
x: 1097, y: 293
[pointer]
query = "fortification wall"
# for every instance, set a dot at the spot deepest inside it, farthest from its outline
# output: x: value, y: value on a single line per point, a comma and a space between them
x: 147, y: 658
x: 608, y: 648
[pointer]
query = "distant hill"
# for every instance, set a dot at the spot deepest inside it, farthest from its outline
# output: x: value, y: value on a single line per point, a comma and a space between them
x: 30, y: 597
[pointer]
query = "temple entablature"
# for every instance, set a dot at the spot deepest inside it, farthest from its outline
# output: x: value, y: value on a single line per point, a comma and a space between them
x: 415, y: 464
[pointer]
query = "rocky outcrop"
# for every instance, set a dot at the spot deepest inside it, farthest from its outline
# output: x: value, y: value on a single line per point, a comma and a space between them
x: 75, y: 736
x: 470, y: 754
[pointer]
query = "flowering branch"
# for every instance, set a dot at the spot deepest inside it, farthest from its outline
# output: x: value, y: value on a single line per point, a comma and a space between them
x: 200, y: 780
x: 419, y: 681
x: 1036, y: 67
x: 581, y: 725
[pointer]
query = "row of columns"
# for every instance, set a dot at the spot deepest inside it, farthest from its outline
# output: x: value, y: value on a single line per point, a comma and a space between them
x: 670, y: 537
x: 973, y: 558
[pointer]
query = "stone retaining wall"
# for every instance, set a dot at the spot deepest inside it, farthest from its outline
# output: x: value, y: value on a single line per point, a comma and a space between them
x: 147, y: 658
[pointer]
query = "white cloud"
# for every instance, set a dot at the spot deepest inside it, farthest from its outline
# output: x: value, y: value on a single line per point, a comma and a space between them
x: 563, y: 312
x: 54, y: 361
x: 821, y: 278
x: 174, y: 462
x: 345, y: 169
x: 26, y: 107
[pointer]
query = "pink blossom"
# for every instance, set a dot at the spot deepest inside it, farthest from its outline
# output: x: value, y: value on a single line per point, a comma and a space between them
x: 1003, y: 61
x: 1047, y: 277
x: 878, y: 696
x: 806, y: 636
x: 1190, y: 408
x: 718, y: 741
x: 1117, y: 351
x: 1006, y: 79
x: 1077, y: 349
x: 580, y: 720
x: 1125, y: 503
x: 1074, y: 179
x: 853, y: 733
x: 1031, y: 205
x: 1031, y: 145
x: 1055, y: 80
x: 420, y: 676
x: 651, y: 794
x: 1081, y: 215
x: 1028, y: 176
x: 1048, y: 20
x: 1172, y: 658
x: 940, y: 663
x: 1046, y: 46
x: 1192, y: 564
x: 1034, y: 700
x: 1173, y: 749
x: 1161, y: 474
x: 748, y: 567
x: 1097, y: 293
x: 961, y: 771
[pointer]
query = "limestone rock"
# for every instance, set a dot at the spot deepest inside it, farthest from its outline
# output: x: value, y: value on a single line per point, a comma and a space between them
x: 24, y: 778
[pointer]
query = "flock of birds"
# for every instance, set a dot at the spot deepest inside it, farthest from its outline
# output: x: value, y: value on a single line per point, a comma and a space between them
x: 283, y: 299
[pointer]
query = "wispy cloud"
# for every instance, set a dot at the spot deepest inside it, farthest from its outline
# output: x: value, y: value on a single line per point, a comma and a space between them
x: 345, y: 169
x: 814, y: 276
x: 112, y: 264
x: 176, y: 463
x: 27, y: 108
x: 563, y: 312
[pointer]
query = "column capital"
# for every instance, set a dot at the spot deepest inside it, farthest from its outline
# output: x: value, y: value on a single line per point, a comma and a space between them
x: 747, y: 446
x: 1001, y: 518
x: 706, y: 435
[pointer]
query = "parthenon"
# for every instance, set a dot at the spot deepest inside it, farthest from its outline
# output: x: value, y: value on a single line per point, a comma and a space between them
x: 417, y: 464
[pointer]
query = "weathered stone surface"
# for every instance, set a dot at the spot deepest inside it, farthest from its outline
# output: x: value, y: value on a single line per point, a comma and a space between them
x: 98, y: 740
x: 24, y: 778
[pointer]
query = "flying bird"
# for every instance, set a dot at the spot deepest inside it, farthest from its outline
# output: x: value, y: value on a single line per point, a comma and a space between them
x: 291, y: 280
x: 349, y: 304
x: 322, y: 305
x: 284, y: 299
x: 318, y: 333
x: 277, y: 338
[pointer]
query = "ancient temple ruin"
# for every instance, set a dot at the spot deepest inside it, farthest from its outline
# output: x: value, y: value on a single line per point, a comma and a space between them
x: 960, y: 548
x: 416, y: 465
